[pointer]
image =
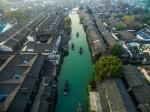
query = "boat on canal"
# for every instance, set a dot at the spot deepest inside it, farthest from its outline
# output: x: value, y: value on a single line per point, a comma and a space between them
x: 72, y: 46
x: 66, y: 88
x: 81, y: 50
x: 79, y: 107
x: 77, y: 34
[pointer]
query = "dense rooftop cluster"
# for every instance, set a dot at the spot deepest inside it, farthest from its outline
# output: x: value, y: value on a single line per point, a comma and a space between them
x: 131, y: 92
x: 28, y: 58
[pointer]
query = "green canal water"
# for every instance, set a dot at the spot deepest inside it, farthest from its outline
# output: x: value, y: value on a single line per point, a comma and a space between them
x: 77, y: 69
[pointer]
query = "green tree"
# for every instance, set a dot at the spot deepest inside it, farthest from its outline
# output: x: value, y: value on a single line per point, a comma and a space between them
x: 67, y: 25
x: 119, y: 25
x: 21, y: 14
x: 67, y: 21
x: 108, y: 67
x: 92, y: 84
x: 127, y: 19
x: 116, y: 50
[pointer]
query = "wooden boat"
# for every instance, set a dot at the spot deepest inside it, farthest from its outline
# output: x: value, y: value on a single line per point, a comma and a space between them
x: 81, y: 50
x: 72, y: 46
x: 66, y: 88
x: 77, y: 34
x: 79, y: 107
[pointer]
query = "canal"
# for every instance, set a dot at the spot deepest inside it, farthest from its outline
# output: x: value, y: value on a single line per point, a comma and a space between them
x: 76, y: 68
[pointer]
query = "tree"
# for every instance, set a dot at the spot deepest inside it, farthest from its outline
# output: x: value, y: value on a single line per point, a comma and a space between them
x: 67, y: 21
x: 92, y: 84
x: 128, y: 19
x: 67, y: 25
x: 108, y: 67
x: 116, y: 50
x: 134, y: 25
x: 119, y: 25
x: 89, y: 11
x: 21, y: 14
